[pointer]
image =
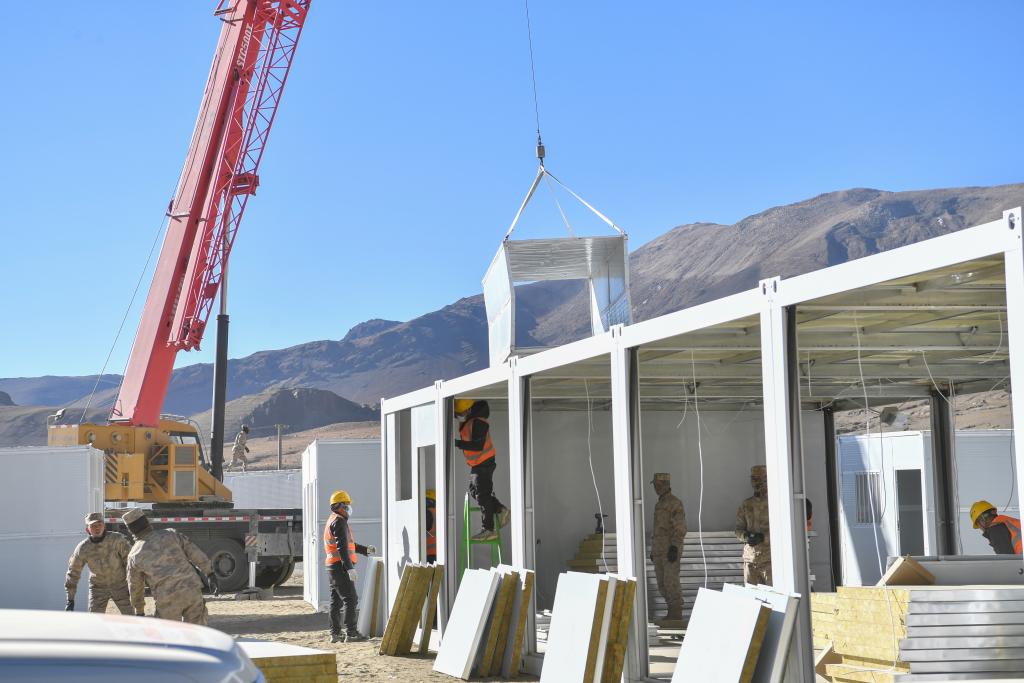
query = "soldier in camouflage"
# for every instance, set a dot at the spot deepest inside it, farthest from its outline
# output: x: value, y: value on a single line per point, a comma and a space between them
x: 105, y: 553
x: 752, y: 529
x: 166, y: 561
x: 667, y: 547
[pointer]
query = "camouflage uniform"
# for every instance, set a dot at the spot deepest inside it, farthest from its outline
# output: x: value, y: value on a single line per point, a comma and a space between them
x: 669, y: 530
x: 164, y: 559
x: 239, y: 450
x: 752, y: 517
x: 106, y: 561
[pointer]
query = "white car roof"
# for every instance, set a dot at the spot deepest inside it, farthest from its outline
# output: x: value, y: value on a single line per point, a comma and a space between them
x: 45, y: 625
x: 39, y: 645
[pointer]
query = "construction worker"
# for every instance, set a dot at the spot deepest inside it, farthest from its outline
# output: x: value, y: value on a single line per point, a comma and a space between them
x: 1002, y: 531
x: 106, y: 554
x: 431, y: 530
x: 341, y: 549
x: 239, y: 450
x: 667, y: 547
x: 752, y: 529
x: 167, y: 562
x: 475, y: 442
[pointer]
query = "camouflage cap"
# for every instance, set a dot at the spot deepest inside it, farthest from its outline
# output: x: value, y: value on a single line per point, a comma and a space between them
x: 662, y: 476
x: 93, y: 517
x: 132, y: 515
x: 758, y: 472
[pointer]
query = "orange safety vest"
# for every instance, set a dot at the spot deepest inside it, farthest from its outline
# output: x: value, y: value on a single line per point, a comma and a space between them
x: 331, y: 543
x: 431, y: 533
x: 474, y: 458
x: 1013, y: 526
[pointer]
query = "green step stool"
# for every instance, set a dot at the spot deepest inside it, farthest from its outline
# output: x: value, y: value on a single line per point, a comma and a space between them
x: 467, y: 550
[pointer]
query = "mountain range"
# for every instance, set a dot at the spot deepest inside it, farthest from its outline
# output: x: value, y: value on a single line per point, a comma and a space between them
x: 685, y: 266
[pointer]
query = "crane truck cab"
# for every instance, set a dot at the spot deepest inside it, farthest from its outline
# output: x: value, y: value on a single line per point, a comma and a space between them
x: 146, y: 464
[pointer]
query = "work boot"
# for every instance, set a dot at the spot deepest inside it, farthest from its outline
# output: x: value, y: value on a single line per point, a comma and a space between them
x: 503, y: 517
x: 355, y: 637
x: 337, y: 638
x: 485, y: 535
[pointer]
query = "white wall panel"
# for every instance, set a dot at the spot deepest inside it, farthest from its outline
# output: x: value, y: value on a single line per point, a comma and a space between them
x: 43, y: 504
x: 329, y: 465
x: 265, y: 488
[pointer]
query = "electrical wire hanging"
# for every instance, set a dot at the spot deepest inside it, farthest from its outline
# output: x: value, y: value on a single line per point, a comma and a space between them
x: 700, y: 458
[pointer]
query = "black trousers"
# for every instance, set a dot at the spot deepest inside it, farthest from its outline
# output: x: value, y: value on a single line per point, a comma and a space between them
x: 343, y: 598
x: 481, y: 487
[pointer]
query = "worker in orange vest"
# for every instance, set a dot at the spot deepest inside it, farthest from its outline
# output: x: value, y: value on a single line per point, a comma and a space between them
x: 431, y: 530
x: 478, y: 449
x: 342, y: 550
x: 1002, y: 531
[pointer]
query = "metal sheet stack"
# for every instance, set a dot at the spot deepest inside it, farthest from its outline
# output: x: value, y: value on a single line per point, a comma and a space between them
x: 722, y: 551
x: 921, y: 633
x: 972, y: 632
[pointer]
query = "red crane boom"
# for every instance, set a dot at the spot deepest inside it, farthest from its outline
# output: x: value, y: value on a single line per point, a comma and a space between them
x: 249, y: 70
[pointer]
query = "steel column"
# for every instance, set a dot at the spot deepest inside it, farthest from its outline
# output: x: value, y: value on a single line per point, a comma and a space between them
x: 629, y: 541
x: 1014, y: 264
x: 942, y: 465
x: 790, y: 570
x: 832, y: 495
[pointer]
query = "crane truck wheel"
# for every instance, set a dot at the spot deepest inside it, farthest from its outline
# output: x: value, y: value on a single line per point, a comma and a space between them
x: 274, y: 575
x: 229, y: 563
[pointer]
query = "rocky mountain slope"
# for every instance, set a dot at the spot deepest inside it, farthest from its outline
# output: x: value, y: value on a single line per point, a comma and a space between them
x: 687, y: 265
x: 300, y: 409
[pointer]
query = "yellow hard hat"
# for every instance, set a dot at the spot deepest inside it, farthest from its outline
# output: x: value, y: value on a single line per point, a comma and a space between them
x: 978, y: 508
x: 341, y: 497
x: 463, y: 404
x: 431, y: 494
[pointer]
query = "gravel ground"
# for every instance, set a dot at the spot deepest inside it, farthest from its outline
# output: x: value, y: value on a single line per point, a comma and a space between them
x: 287, y: 618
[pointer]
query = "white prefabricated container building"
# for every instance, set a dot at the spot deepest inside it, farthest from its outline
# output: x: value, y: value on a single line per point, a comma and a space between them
x: 329, y: 465
x: 44, y: 499
x: 755, y: 377
x: 265, y: 488
x: 886, y: 490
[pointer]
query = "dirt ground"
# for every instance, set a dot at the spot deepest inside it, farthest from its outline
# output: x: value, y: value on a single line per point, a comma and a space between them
x: 287, y: 618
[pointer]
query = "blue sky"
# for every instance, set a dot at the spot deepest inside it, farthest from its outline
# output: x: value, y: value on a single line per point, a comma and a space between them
x: 404, y: 142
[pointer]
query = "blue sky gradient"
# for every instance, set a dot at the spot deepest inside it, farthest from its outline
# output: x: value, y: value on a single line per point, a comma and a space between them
x: 405, y: 139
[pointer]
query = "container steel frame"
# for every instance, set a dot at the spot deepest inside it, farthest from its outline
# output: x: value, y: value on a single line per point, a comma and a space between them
x: 774, y: 303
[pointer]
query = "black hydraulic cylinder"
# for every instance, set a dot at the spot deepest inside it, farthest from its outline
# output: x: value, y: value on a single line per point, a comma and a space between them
x: 220, y: 386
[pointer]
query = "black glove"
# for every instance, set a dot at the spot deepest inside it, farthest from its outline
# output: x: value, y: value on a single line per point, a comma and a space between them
x: 246, y: 449
x: 69, y: 606
x: 673, y: 553
x: 213, y: 583
x: 754, y: 538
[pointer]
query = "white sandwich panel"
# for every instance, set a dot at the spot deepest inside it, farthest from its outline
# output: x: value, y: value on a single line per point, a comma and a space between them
x: 327, y: 466
x: 572, y: 622
x: 263, y: 489
x: 465, y: 628
x: 722, y: 630
x: 771, y: 662
x: 43, y: 505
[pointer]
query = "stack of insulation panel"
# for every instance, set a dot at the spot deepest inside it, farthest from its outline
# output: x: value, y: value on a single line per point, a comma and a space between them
x: 921, y: 633
x: 722, y: 551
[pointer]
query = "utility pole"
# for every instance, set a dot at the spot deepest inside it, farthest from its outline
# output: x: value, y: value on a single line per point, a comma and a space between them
x: 279, y: 428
